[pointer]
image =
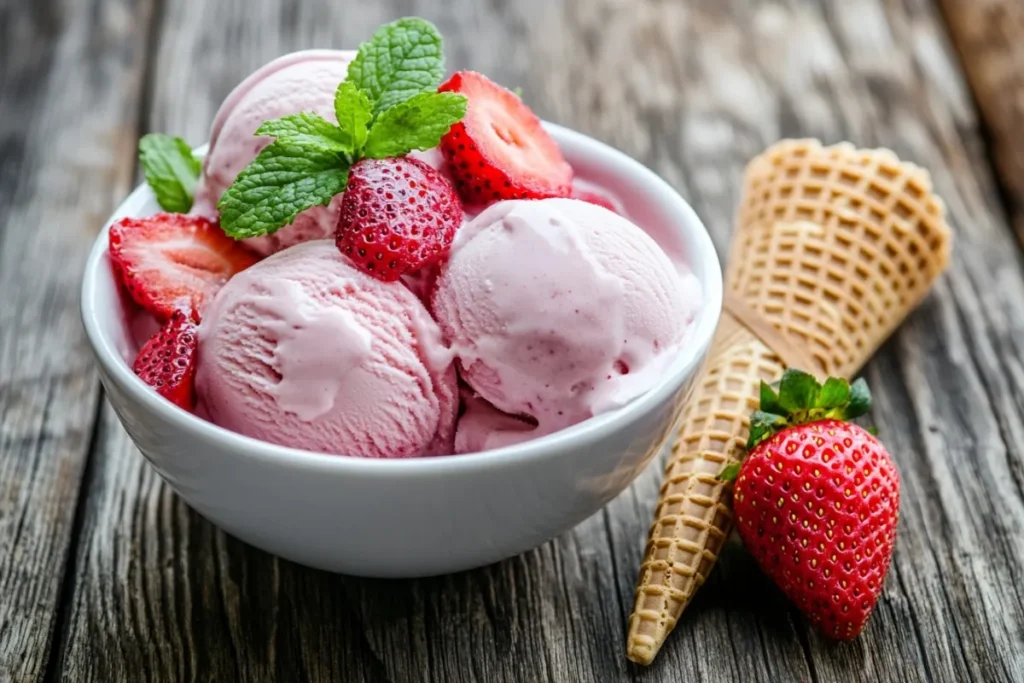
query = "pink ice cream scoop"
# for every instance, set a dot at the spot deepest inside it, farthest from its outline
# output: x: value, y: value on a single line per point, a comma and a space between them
x: 299, y: 82
x: 482, y: 427
x: 559, y: 309
x: 305, y: 350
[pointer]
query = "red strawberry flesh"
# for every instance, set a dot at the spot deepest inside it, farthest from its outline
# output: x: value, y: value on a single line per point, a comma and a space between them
x: 172, y: 262
x: 500, y: 150
x: 167, y: 362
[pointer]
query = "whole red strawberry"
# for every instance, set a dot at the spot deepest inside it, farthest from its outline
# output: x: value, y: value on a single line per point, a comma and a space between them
x: 499, y: 150
x: 167, y: 362
x: 170, y: 262
x: 817, y: 500
x: 397, y: 215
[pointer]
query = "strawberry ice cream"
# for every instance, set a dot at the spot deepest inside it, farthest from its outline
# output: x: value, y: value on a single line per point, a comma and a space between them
x: 304, y: 350
x: 483, y: 427
x: 559, y: 309
x: 460, y: 248
x: 299, y: 82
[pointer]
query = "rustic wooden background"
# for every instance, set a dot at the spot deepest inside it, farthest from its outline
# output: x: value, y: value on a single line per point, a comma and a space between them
x: 106, y: 576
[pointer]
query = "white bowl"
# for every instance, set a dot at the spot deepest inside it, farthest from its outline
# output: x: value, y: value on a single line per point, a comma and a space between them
x: 421, y: 516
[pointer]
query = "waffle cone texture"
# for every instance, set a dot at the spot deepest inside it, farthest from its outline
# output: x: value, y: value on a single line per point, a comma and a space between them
x: 833, y: 247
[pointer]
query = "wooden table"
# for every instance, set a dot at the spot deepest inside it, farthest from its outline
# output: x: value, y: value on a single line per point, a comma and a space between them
x: 106, y: 576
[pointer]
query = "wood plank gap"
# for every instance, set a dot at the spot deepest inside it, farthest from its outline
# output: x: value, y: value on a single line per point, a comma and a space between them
x: 65, y: 596
x: 62, y: 624
x: 607, y: 525
x: 350, y: 606
x: 800, y: 626
x: 918, y: 636
x: 153, y: 28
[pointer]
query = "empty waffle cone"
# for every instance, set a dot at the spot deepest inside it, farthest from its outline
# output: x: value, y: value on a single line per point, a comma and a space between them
x: 833, y: 247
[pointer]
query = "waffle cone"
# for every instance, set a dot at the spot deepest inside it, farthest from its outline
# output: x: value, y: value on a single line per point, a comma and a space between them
x: 833, y: 247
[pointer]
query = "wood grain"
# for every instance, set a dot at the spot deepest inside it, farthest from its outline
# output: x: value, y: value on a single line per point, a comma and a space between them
x: 693, y: 90
x: 70, y: 75
x: 987, y: 34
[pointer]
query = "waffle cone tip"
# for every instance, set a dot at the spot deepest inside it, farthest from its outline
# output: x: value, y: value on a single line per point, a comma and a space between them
x: 642, y: 652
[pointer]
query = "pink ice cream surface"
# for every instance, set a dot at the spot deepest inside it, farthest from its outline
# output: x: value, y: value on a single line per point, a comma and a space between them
x: 560, y: 310
x: 299, y: 82
x: 304, y: 350
x: 482, y: 427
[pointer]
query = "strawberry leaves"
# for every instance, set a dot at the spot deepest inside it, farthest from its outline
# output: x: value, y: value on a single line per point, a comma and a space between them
x: 798, y: 398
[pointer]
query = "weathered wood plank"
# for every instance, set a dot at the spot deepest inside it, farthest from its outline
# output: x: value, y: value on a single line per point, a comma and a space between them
x: 987, y: 34
x: 69, y: 85
x: 693, y: 90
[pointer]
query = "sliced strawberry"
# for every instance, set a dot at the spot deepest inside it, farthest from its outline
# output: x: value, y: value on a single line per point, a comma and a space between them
x: 397, y: 216
x: 167, y: 362
x: 593, y: 197
x: 500, y: 150
x: 172, y: 262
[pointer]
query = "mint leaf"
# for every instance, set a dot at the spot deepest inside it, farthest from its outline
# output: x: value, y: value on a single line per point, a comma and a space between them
x: 288, y: 176
x: 770, y: 399
x: 860, y: 400
x: 834, y: 393
x: 762, y: 425
x: 402, y: 58
x: 352, y: 109
x: 417, y: 123
x: 729, y: 472
x: 798, y: 390
x: 170, y: 169
x: 307, y: 129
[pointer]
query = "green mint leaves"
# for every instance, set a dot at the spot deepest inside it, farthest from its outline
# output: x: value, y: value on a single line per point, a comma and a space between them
x: 417, y: 123
x: 352, y: 109
x: 799, y: 398
x: 170, y: 169
x: 402, y: 59
x: 286, y: 178
x: 308, y: 130
x: 387, y: 106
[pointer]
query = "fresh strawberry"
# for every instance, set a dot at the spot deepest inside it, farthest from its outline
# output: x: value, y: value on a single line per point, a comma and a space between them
x: 817, y: 500
x: 500, y: 150
x: 167, y: 362
x: 594, y: 198
x: 172, y: 262
x: 397, y: 216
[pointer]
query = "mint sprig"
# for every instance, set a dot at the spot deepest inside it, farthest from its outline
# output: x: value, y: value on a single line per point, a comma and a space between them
x: 402, y: 58
x: 387, y: 106
x: 171, y: 170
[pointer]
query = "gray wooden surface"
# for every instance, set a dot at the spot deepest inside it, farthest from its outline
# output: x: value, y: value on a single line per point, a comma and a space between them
x: 106, y: 576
